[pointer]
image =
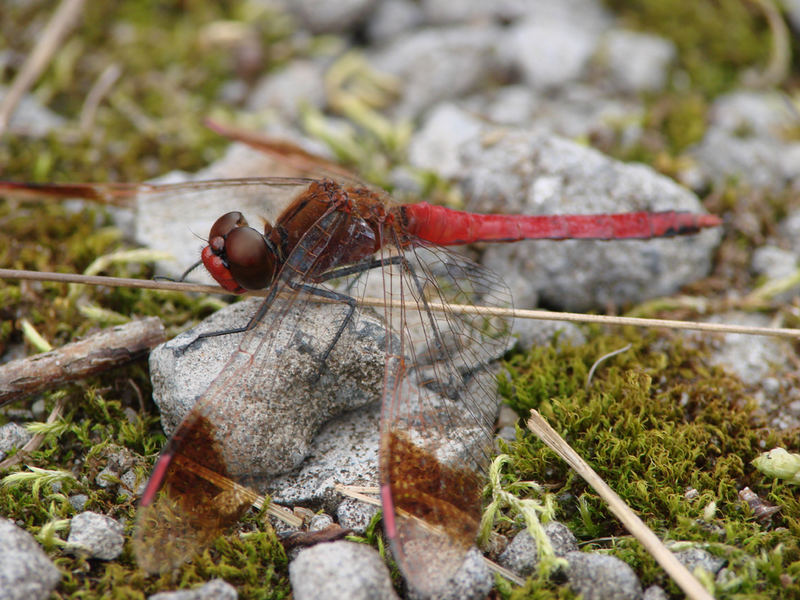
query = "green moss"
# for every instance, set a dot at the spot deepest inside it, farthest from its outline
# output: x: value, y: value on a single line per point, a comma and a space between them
x: 655, y: 422
x: 716, y: 39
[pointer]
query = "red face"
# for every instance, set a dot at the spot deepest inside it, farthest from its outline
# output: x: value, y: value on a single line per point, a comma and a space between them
x: 238, y: 257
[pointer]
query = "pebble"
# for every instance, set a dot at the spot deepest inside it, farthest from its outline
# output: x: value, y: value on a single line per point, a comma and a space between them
x: 330, y: 16
x: 12, y: 436
x: 436, y: 65
x: 694, y: 558
x: 95, y: 535
x: 602, y: 577
x: 522, y: 554
x: 637, y: 62
x: 26, y: 573
x: 356, y: 515
x: 340, y: 570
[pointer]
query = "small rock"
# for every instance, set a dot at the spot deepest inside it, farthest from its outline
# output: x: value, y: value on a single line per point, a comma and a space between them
x: 655, y: 592
x: 78, y: 501
x: 391, y: 18
x: 30, y: 118
x: 697, y: 557
x: 12, y: 436
x: 472, y: 581
x: 437, y: 144
x: 602, y: 577
x: 748, y: 113
x: 763, y: 163
x: 533, y: 332
x: 97, y: 535
x: 553, y: 46
x: 107, y: 477
x: 320, y: 521
x: 637, y: 62
x: 287, y: 90
x: 522, y: 554
x: 128, y: 486
x: 792, y: 8
x: 356, y: 515
x: 340, y: 570
x: 216, y: 589
x: 330, y: 16
x: 773, y: 262
x: 439, y: 12
x: 751, y: 358
x: 26, y: 573
x: 436, y: 65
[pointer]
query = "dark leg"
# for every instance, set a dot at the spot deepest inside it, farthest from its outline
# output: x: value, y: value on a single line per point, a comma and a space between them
x: 183, y: 275
x: 336, y: 296
x: 254, y: 320
x: 310, y: 289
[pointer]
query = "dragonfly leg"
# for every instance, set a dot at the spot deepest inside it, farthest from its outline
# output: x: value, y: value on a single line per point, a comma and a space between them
x: 183, y: 275
x: 344, y: 298
x: 254, y: 320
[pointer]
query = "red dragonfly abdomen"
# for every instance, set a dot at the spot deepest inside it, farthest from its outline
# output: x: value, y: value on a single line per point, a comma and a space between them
x: 449, y: 227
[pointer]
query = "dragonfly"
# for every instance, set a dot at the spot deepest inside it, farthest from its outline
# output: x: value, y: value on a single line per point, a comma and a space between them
x: 329, y: 239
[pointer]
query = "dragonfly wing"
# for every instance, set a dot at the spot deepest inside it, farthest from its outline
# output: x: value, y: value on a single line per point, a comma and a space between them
x: 439, y: 407
x: 200, y: 484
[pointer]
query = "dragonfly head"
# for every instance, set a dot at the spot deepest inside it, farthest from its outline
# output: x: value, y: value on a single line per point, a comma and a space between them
x: 237, y: 256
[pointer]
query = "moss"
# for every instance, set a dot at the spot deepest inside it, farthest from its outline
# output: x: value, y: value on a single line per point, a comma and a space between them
x: 655, y: 422
x: 716, y: 39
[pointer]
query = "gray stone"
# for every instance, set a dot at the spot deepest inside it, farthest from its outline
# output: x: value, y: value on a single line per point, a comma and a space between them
x: 439, y: 12
x: 391, y: 18
x: 528, y: 173
x: 553, y: 45
x: 436, y: 65
x: 522, y: 555
x: 340, y: 570
x: 329, y: 16
x: 694, y: 558
x: 26, y: 573
x: 12, y: 436
x: 95, y: 535
x: 216, y: 589
x: 602, y: 577
x: 320, y: 521
x: 790, y: 230
x: 637, y: 62
x: 748, y: 113
x: 472, y: 581
x: 78, y: 501
x: 533, y: 332
x: 751, y: 358
x: 437, y: 145
x: 655, y: 592
x: 760, y: 162
x: 30, y: 118
x: 356, y: 515
x: 286, y: 91
x: 792, y: 8
x: 345, y: 451
x: 773, y: 262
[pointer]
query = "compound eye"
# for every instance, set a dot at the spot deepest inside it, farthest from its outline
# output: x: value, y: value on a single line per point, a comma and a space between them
x: 226, y: 223
x: 250, y: 260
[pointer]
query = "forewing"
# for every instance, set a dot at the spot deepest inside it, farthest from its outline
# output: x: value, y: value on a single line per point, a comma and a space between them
x: 184, y: 508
